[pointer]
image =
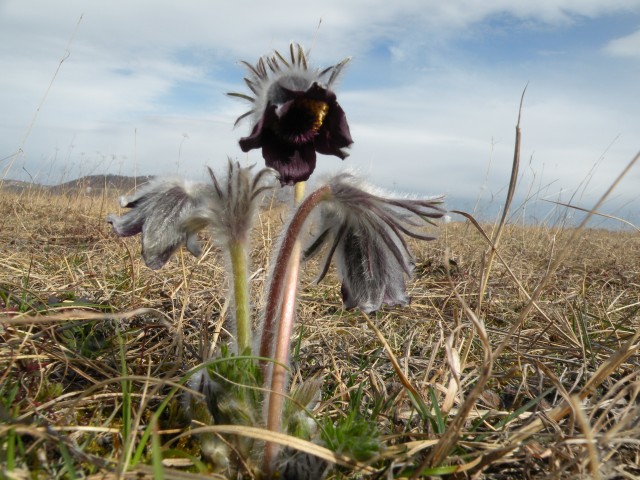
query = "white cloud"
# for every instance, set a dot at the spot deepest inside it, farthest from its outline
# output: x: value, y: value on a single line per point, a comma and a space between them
x: 627, y: 46
x: 433, y: 131
x: 240, y: 29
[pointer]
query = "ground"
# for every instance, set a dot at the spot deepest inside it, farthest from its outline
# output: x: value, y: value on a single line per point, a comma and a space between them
x: 470, y: 381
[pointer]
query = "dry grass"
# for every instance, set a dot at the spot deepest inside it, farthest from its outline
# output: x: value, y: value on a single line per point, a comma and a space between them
x: 92, y: 341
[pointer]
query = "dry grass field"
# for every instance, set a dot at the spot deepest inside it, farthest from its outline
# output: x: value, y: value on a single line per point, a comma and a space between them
x: 466, y: 382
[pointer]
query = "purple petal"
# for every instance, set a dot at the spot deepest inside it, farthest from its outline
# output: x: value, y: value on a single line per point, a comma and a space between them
x: 293, y: 167
x: 335, y: 134
x: 255, y: 139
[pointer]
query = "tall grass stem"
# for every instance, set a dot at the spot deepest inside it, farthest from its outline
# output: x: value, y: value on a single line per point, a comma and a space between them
x: 505, y: 211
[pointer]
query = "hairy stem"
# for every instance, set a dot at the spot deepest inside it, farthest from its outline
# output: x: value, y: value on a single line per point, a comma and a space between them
x: 241, y: 295
x: 282, y: 299
x: 279, y: 275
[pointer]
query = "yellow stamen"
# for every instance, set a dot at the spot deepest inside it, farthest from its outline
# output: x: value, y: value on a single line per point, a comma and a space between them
x: 318, y: 108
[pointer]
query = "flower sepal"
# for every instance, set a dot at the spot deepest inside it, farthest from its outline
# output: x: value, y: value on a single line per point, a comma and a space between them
x: 158, y: 211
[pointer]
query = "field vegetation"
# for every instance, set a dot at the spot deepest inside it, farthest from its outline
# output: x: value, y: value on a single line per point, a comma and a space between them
x: 516, y: 362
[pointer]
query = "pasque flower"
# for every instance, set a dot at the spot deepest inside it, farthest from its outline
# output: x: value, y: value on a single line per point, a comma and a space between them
x: 366, y: 234
x: 232, y: 203
x: 169, y: 212
x: 295, y: 114
x: 158, y: 211
x: 365, y: 231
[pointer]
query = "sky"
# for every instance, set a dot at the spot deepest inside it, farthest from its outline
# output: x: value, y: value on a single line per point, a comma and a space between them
x: 431, y: 92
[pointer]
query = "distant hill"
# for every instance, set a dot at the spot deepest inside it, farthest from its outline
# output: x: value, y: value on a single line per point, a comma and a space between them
x: 91, y: 184
x: 99, y: 182
x: 115, y: 185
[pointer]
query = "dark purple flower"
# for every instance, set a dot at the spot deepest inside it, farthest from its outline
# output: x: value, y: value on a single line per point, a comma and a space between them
x: 366, y: 233
x: 295, y: 114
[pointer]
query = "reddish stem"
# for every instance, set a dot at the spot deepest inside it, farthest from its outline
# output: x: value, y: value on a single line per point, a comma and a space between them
x: 281, y: 299
x: 279, y: 276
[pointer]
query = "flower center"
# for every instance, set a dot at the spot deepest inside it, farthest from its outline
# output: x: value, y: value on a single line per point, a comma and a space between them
x: 302, y: 121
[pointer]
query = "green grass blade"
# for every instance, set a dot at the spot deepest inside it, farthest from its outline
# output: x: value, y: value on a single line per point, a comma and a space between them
x: 156, y: 453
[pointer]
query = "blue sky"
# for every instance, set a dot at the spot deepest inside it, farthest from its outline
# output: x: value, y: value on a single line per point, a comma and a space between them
x: 431, y: 93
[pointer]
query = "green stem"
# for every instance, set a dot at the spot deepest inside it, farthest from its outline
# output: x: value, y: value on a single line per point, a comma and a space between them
x: 241, y: 295
x: 298, y: 192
